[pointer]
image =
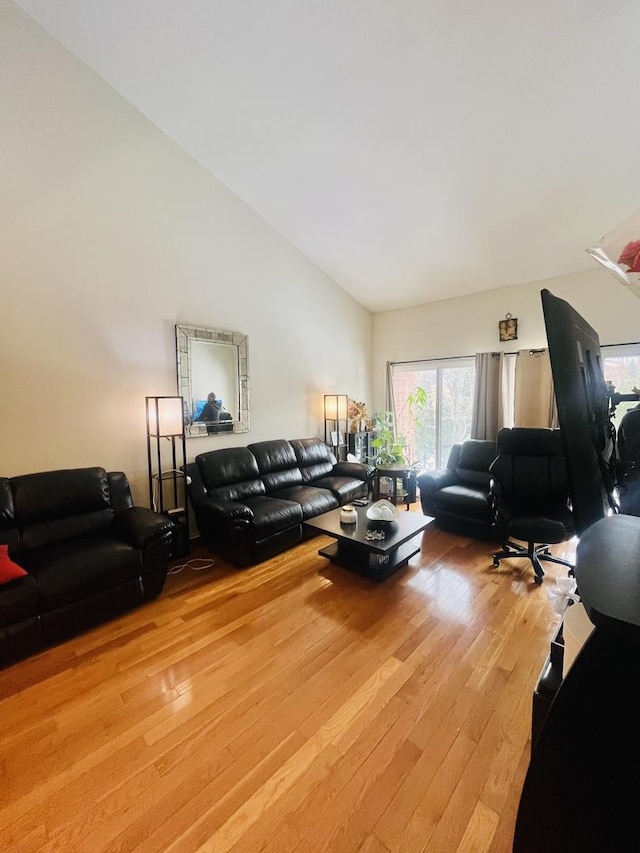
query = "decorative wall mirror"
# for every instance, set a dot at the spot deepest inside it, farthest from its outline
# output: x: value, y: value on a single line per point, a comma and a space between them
x: 213, y: 380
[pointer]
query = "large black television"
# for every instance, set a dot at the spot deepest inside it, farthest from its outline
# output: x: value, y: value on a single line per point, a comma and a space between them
x: 584, y: 411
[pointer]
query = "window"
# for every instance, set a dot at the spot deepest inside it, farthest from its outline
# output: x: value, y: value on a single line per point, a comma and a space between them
x: 621, y: 366
x: 447, y: 419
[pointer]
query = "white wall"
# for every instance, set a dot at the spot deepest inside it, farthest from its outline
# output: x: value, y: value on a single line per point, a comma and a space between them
x: 109, y: 235
x: 466, y: 325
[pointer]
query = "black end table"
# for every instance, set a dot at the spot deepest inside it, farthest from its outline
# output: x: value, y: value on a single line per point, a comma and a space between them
x: 394, y: 471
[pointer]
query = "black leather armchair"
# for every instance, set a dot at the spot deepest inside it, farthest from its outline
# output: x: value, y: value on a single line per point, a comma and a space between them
x: 531, y: 495
x: 458, y: 496
x: 88, y: 553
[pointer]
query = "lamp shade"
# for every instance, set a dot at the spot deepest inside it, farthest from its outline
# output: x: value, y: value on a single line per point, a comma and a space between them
x: 336, y: 407
x: 165, y: 416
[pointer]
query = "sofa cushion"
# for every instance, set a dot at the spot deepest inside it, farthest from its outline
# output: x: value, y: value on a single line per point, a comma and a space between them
x: 313, y: 501
x: 277, y: 464
x: 71, y: 571
x: 56, y: 506
x: 272, y: 515
x: 230, y: 474
x: 472, y: 502
x: 344, y: 488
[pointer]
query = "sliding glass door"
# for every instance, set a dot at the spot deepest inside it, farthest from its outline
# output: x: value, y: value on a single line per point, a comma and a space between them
x: 621, y: 366
x: 446, y: 419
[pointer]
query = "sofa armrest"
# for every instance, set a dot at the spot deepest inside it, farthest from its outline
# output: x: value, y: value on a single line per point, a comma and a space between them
x: 359, y: 470
x: 226, y: 510
x: 140, y: 527
x: 207, y: 506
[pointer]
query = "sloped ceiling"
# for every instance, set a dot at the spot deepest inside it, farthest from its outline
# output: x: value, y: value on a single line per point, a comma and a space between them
x: 414, y: 150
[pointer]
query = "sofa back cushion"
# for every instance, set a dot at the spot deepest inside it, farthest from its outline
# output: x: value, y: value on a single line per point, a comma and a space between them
x: 120, y: 491
x: 277, y: 464
x: 314, y: 458
x: 53, y: 506
x: 476, y: 455
x: 230, y: 474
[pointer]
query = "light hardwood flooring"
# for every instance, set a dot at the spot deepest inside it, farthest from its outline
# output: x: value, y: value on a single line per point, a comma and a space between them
x: 293, y: 706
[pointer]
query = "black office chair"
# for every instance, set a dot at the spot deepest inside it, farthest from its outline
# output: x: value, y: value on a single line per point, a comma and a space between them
x: 628, y: 473
x: 529, y: 489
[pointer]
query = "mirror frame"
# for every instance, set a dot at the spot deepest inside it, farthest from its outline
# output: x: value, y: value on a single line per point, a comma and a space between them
x: 184, y: 336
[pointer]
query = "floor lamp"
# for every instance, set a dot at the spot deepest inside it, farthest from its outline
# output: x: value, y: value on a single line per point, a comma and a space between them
x: 166, y: 453
x: 336, y: 423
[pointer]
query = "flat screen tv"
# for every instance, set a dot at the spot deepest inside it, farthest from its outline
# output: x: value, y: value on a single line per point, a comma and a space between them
x: 583, y: 401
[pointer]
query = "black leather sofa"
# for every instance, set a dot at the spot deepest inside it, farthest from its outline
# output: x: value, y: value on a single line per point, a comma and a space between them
x: 88, y: 552
x: 458, y: 496
x: 250, y: 502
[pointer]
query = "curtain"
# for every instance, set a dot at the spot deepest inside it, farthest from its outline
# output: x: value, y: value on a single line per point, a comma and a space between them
x: 490, y: 396
x: 535, y: 403
x: 509, y: 390
x: 391, y: 402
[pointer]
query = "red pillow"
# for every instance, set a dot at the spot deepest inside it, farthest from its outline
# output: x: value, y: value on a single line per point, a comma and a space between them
x: 9, y: 570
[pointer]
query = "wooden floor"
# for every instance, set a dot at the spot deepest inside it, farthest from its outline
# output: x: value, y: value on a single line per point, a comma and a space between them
x: 293, y: 706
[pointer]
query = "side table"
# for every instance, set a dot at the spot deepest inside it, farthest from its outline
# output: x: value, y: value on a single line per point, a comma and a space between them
x: 394, y: 471
x: 179, y: 544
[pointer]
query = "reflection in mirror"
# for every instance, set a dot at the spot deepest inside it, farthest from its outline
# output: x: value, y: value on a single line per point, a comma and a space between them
x: 213, y: 380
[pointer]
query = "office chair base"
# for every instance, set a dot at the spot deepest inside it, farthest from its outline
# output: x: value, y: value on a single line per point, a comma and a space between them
x: 533, y: 552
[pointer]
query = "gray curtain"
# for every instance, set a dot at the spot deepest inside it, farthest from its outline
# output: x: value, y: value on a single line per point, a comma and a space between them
x: 489, y: 396
x: 391, y: 403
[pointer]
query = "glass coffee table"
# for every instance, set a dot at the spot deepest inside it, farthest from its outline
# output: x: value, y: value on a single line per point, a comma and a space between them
x: 374, y: 558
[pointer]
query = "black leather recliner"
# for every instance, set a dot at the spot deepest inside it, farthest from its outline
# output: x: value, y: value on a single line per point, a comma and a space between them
x: 88, y: 552
x: 458, y: 496
x: 250, y: 502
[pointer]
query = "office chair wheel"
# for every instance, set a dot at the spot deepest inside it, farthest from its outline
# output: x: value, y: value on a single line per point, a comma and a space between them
x: 496, y: 563
x: 537, y: 579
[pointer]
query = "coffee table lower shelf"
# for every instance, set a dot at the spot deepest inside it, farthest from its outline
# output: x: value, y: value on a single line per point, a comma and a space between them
x: 367, y: 562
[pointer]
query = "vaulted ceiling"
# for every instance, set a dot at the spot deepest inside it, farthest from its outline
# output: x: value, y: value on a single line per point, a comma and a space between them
x: 413, y: 149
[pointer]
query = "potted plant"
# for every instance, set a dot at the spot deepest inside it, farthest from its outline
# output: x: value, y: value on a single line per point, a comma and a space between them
x: 391, y: 447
